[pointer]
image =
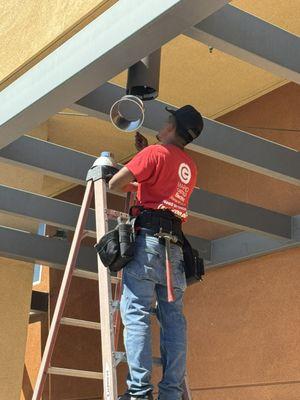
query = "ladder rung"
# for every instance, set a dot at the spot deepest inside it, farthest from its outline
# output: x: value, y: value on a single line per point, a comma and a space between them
x: 80, y: 323
x: 75, y: 372
x: 93, y: 275
x: 115, y: 279
x: 121, y: 357
x: 80, y: 273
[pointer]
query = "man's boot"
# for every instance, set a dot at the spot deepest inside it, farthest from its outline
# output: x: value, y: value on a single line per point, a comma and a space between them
x: 128, y: 396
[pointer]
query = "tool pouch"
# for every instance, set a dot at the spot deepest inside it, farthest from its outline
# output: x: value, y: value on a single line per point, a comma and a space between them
x: 116, y: 247
x: 193, y: 263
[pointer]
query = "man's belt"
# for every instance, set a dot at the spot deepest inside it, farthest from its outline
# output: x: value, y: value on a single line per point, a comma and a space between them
x: 157, y: 221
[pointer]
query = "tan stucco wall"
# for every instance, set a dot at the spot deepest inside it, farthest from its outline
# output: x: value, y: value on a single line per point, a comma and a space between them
x: 31, y: 29
x: 15, y: 288
x: 36, y: 337
x: 244, y: 330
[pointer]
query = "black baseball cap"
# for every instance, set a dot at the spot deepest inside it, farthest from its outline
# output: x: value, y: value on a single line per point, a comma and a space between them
x: 189, y: 120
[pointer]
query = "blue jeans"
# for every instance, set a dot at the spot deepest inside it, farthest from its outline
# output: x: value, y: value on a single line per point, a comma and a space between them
x: 143, y: 278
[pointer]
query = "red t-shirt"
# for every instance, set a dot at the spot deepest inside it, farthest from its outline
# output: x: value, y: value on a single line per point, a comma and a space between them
x: 166, y: 177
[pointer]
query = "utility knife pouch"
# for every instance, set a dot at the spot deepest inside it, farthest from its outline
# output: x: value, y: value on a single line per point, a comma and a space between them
x: 193, y: 263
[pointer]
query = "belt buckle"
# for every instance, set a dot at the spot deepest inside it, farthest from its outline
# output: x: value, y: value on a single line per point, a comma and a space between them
x: 166, y: 235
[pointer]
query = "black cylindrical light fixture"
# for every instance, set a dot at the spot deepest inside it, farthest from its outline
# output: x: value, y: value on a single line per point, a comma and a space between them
x: 143, y: 77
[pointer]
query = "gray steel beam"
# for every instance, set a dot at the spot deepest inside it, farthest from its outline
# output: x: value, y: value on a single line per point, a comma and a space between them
x: 245, y: 245
x: 42, y: 155
x: 29, y: 247
x: 62, y: 214
x: 102, y: 49
x: 48, y: 158
x: 53, y: 252
x: 231, y: 212
x: 59, y: 213
x: 251, y: 39
x: 25, y: 246
x: 217, y: 140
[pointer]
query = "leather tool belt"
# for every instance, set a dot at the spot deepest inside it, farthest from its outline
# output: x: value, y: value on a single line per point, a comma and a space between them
x: 165, y: 220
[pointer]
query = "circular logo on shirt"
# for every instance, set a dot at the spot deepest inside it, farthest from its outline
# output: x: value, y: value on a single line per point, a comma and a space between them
x: 184, y: 173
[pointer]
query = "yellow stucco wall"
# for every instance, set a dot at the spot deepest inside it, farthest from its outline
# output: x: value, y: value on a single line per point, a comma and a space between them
x: 33, y: 28
x: 15, y: 286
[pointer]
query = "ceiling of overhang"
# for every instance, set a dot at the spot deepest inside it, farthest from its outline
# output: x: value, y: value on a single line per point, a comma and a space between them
x: 215, y: 82
x: 283, y: 13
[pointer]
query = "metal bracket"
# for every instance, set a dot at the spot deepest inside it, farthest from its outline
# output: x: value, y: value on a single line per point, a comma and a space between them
x: 166, y: 235
x: 119, y: 356
x: 115, y: 305
x: 101, y: 172
x: 114, y: 214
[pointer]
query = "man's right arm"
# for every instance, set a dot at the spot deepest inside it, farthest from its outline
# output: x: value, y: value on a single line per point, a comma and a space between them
x: 139, y: 168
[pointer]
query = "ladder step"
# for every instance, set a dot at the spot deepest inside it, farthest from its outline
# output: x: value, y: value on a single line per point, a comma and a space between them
x: 120, y: 356
x: 80, y: 323
x: 75, y: 372
x: 86, y: 274
x: 115, y: 279
x: 93, y: 275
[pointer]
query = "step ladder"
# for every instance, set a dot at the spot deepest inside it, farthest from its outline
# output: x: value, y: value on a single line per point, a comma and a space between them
x: 109, y: 299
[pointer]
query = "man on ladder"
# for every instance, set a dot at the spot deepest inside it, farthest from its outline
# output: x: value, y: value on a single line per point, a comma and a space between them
x: 165, y: 178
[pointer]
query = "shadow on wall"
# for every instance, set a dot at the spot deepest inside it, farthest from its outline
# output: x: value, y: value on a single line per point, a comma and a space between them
x: 27, y: 388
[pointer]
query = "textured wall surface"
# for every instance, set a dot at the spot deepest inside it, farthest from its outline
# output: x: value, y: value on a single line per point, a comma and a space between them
x: 15, y: 287
x: 244, y: 330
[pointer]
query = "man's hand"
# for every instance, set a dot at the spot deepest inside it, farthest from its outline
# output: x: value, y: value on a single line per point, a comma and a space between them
x: 140, y: 141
